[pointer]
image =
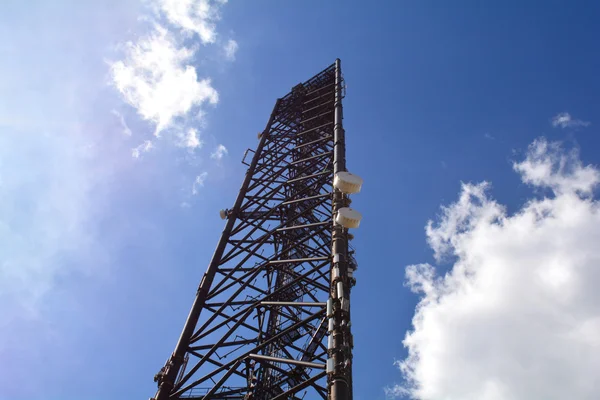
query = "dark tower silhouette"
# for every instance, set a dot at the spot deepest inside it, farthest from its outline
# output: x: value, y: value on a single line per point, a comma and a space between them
x: 271, y: 317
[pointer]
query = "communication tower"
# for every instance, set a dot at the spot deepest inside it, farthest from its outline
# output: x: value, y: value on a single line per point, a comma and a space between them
x: 271, y: 317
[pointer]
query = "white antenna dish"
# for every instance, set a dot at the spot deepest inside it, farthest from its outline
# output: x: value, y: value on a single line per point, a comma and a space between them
x: 348, y: 217
x: 347, y: 183
x: 223, y: 214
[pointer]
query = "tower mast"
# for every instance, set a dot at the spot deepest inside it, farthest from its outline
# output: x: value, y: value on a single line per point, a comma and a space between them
x: 271, y: 316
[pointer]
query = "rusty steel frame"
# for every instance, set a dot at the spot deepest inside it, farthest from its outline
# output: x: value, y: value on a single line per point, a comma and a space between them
x: 259, y: 325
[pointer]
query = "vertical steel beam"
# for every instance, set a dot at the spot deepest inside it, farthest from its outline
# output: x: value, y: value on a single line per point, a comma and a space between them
x: 169, y: 373
x: 340, y: 355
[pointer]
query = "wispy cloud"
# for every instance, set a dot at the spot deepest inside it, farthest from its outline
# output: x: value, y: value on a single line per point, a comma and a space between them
x: 489, y: 136
x: 199, y: 182
x: 145, y: 147
x: 125, y: 128
x: 564, y: 120
x: 516, y: 316
x: 193, y: 16
x: 219, y: 152
x: 230, y: 49
x: 191, y: 140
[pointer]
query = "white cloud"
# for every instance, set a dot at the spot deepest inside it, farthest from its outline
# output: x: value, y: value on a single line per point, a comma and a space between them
x: 157, y: 79
x: 142, y: 148
x: 199, y: 182
x: 517, y: 315
x: 125, y: 128
x: 219, y: 152
x: 191, y: 140
x: 564, y: 120
x: 157, y: 74
x: 547, y: 165
x: 489, y: 136
x: 196, y: 16
x: 230, y: 49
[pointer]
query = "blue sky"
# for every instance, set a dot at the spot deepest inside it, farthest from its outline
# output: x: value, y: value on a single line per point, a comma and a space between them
x: 114, y: 117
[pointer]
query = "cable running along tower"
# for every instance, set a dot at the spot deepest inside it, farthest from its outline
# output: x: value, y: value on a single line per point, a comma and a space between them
x: 271, y: 317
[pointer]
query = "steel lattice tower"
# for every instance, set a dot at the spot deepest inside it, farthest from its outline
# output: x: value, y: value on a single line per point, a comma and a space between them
x: 271, y: 317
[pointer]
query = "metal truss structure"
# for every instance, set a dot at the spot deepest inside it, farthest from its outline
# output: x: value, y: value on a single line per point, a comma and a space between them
x: 271, y: 317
